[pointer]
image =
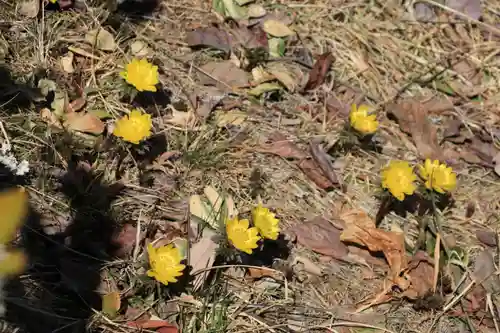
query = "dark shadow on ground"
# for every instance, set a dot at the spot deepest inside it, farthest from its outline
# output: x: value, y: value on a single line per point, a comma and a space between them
x: 59, y: 290
x: 14, y: 95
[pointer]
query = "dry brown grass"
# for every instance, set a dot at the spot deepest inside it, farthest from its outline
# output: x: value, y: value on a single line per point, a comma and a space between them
x: 381, y: 53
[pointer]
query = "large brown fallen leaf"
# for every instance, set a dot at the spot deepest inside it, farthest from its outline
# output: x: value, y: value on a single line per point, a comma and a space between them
x: 421, y: 272
x: 318, y: 73
x: 225, y: 75
x: 83, y: 122
x: 283, y: 147
x: 322, y: 237
x: 210, y: 37
x: 323, y: 161
x: 360, y: 229
x: 412, y: 119
x: 202, y: 256
x: 313, y: 171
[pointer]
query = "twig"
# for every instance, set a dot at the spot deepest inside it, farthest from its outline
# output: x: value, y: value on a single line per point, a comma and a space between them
x: 437, y: 251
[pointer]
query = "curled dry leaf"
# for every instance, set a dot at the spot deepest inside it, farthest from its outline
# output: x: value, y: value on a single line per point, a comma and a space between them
x: 320, y: 236
x: 323, y: 161
x: 421, y: 272
x: 412, y: 119
x: 360, y: 229
x: 318, y: 73
x: 50, y: 118
x: 289, y: 75
x: 67, y: 63
x: 125, y: 240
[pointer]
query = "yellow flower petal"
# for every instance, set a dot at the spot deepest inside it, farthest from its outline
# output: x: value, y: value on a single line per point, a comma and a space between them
x: 362, y: 121
x: 14, y: 207
x: 12, y: 263
x: 398, y: 178
x: 265, y: 222
x: 438, y: 177
x: 134, y: 127
x: 241, y: 236
x: 141, y: 74
x: 165, y: 263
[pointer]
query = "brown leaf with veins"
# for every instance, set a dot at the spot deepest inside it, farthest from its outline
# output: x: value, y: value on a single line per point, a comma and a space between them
x: 283, y: 147
x: 360, y: 229
x: 323, y: 161
x: 322, y: 237
x: 412, y: 119
x: 312, y: 170
x: 318, y: 73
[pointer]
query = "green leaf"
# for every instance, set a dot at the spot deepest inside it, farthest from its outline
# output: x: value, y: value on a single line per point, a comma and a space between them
x: 218, y: 6
x: 234, y: 11
x: 276, y: 47
x: 264, y: 88
x: 111, y: 304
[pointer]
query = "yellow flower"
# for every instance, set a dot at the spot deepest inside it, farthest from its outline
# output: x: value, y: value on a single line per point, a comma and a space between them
x: 134, y: 127
x: 165, y: 263
x: 14, y: 207
x: 266, y: 222
x: 141, y: 74
x: 241, y: 236
x: 53, y: 1
x: 398, y: 178
x: 438, y: 176
x: 361, y: 119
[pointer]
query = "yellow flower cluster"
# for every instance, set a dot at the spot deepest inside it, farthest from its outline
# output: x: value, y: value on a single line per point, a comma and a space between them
x: 165, y: 263
x: 362, y: 119
x: 141, y: 74
x: 14, y: 206
x: 134, y: 127
x: 398, y: 177
x: 246, y: 238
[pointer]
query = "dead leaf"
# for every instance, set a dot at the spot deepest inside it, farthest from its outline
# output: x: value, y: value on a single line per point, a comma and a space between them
x: 308, y: 265
x: 207, y: 99
x: 312, y: 170
x: 209, y: 37
x: 111, y: 304
x: 67, y: 63
x: 76, y: 105
x: 421, y: 272
x: 255, y: 10
x: 323, y: 161
x: 224, y: 74
x: 424, y: 12
x: 412, y: 119
x: 83, y: 122
x: 257, y: 273
x: 287, y: 74
x: 488, y: 238
x: 318, y: 73
x: 181, y: 118
x: 202, y: 256
x: 283, y: 147
x: 29, y: 8
x: 484, y: 266
x: 277, y: 29
x: 471, y: 8
x: 362, y: 231
x: 139, y: 49
x: 50, y: 118
x: 125, y: 240
x: 320, y: 236
x: 102, y: 39
x: 496, y: 162
x: 253, y: 38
